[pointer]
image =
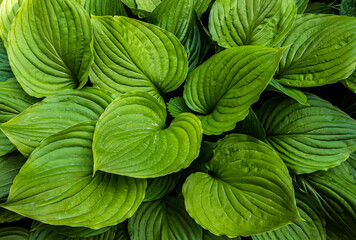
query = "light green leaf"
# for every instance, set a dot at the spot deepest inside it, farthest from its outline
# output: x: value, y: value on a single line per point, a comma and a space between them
x: 177, y: 106
x: 9, y: 167
x: 308, y: 139
x: 311, y: 228
x: 301, y: 5
x: 247, y: 191
x: 13, y: 100
x: 130, y: 3
x: 163, y: 219
x: 223, y: 88
x: 7, y: 216
x: 147, y: 5
x: 209, y: 236
x: 8, y: 11
x: 104, y: 7
x: 50, y: 46
x: 131, y: 55
x: 317, y: 57
x: 39, y: 121
x: 201, y: 6
x: 350, y: 82
x: 5, y: 69
x: 348, y: 7
x: 159, y: 187
x: 235, y: 23
x: 63, y: 191
x: 131, y: 138
x: 14, y: 233
x: 251, y: 126
x: 294, y: 93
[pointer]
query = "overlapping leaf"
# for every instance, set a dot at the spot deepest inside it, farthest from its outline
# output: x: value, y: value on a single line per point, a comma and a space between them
x: 159, y: 187
x: 8, y: 11
x: 63, y: 191
x: 147, y: 5
x: 350, y: 82
x: 209, y: 236
x: 317, y: 57
x: 5, y: 69
x: 132, y: 55
x: 223, y: 88
x: 201, y: 6
x: 235, y: 23
x: 17, y: 233
x: 54, y: 114
x: 247, y: 191
x: 163, y: 219
x: 7, y: 216
x: 308, y: 138
x: 294, y: 93
x: 348, y: 7
x: 131, y: 138
x: 50, y: 46
x: 301, y: 5
x: 104, y: 7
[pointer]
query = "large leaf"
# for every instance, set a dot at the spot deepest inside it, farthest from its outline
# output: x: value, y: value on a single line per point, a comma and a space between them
x: 54, y: 114
x: 104, y: 7
x: 9, y: 167
x: 223, y: 88
x: 311, y: 138
x: 5, y: 69
x: 13, y: 100
x: 14, y: 233
x: 159, y: 187
x: 311, y: 228
x: 301, y: 5
x: 260, y: 22
x: 131, y: 138
x: 348, y: 7
x: 50, y: 46
x: 163, y: 219
x: 133, y: 55
x: 317, y: 57
x: 63, y: 191
x: 8, y: 11
x: 247, y: 191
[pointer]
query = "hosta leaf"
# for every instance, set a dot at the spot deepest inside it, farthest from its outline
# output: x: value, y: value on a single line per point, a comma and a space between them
x: 251, y: 126
x: 50, y: 46
x: 54, y: 114
x: 5, y: 69
x: 159, y: 187
x: 63, y: 191
x: 235, y: 23
x: 336, y: 190
x: 122, y: 232
x: 131, y: 138
x: 71, y: 231
x: 201, y: 6
x: 104, y: 7
x: 311, y: 228
x: 14, y: 233
x: 319, y: 8
x: 223, y: 88
x: 351, y: 165
x: 133, y: 55
x: 209, y: 236
x: 247, y: 191
x: 13, y: 100
x: 294, y: 93
x: 350, y: 82
x: 46, y: 234
x: 308, y: 139
x: 177, y: 106
x: 147, y: 5
x: 130, y: 3
x: 317, y: 57
x: 163, y: 219
x: 9, y: 167
x: 348, y: 7
x: 301, y: 5
x: 7, y: 216
x: 8, y: 11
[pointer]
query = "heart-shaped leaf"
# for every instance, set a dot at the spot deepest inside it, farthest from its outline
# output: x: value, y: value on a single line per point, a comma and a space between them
x: 163, y: 219
x: 63, y: 191
x: 50, y: 46
x: 235, y: 23
x: 54, y: 114
x: 223, y: 88
x: 131, y: 138
x: 104, y: 7
x: 8, y: 11
x: 317, y: 57
x: 308, y: 138
x: 247, y: 191
x: 17, y: 233
x: 133, y: 55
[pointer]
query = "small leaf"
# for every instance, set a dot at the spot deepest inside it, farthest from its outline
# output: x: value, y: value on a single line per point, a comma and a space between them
x: 159, y: 187
x: 104, y: 7
x: 348, y: 7
x: 252, y: 126
x: 311, y: 138
x: 247, y: 191
x: 294, y: 93
x: 163, y: 219
x: 131, y: 138
x: 177, y: 106
x: 17, y: 233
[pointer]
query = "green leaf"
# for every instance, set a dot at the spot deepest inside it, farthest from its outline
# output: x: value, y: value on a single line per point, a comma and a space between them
x: 50, y: 50
x: 130, y: 3
x: 351, y: 165
x: 5, y: 69
x: 317, y: 57
x: 301, y: 5
x: 104, y: 7
x: 131, y: 138
x: 7, y: 216
x: 63, y: 191
x: 223, y: 88
x: 235, y: 23
x: 163, y: 219
x: 14, y: 233
x: 209, y: 236
x: 122, y: 232
x: 308, y: 139
x: 13, y: 100
x: 319, y: 8
x: 8, y: 11
x: 131, y: 55
x: 9, y: 167
x: 45, y: 234
x: 177, y: 106
x: 348, y: 7
x: 147, y: 5
x: 201, y: 6
x: 39, y: 121
x: 252, y: 126
x: 294, y: 93
x: 247, y: 191
x: 335, y: 190
x: 311, y: 228
x: 350, y: 82
x: 159, y: 187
